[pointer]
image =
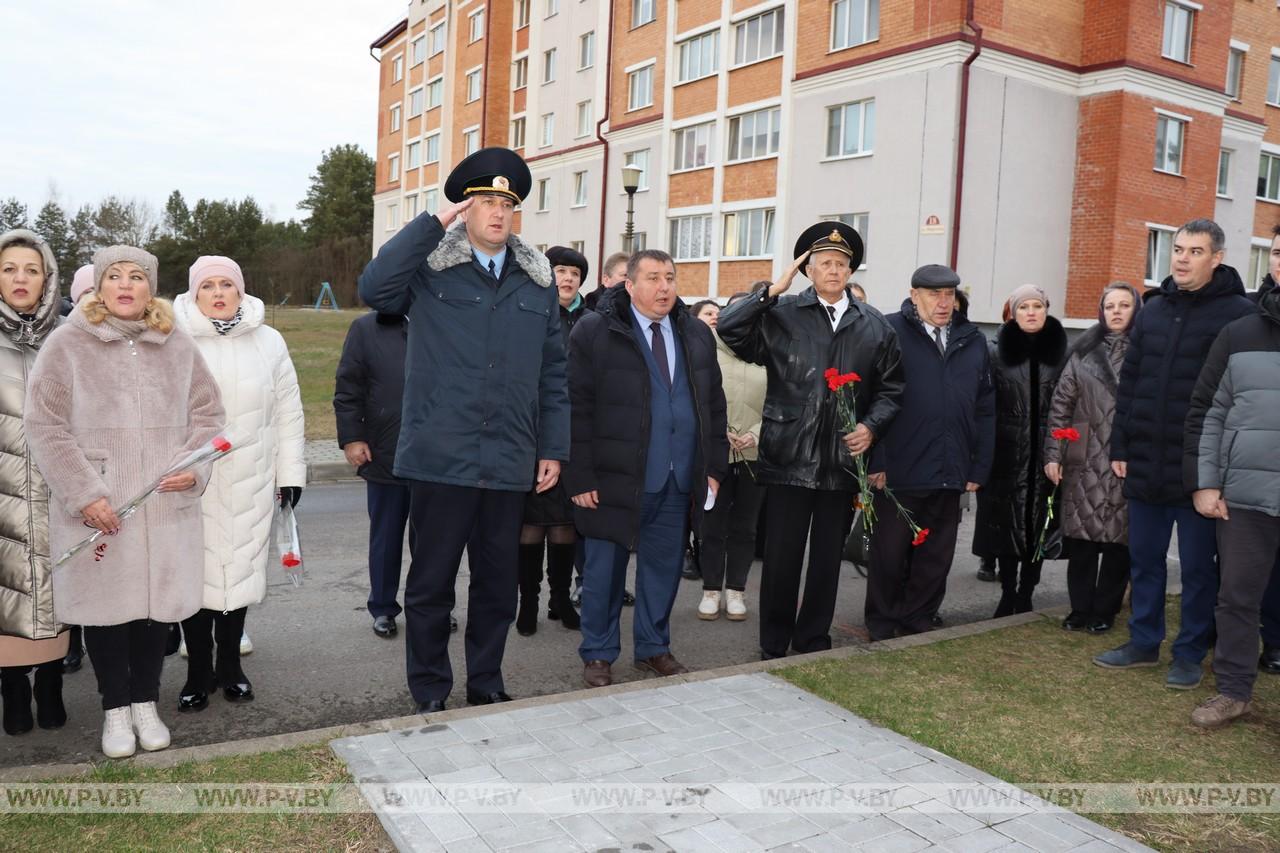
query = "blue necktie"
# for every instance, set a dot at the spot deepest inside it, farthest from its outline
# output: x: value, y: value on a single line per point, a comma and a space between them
x: 493, y: 268
x: 659, y: 346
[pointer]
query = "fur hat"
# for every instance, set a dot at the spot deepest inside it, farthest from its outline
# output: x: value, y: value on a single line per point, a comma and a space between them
x: 82, y: 283
x: 104, y: 258
x: 208, y: 266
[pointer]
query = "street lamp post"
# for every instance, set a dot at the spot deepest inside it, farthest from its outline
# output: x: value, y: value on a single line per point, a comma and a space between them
x: 630, y: 183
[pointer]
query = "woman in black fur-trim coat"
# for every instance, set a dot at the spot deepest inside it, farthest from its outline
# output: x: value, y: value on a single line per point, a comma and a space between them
x: 1026, y: 358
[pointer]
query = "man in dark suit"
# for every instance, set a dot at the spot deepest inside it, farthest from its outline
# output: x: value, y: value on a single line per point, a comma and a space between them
x: 648, y: 440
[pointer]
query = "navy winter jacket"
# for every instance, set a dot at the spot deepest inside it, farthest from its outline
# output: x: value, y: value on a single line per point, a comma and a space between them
x: 370, y: 390
x: 1168, y: 345
x: 486, y: 391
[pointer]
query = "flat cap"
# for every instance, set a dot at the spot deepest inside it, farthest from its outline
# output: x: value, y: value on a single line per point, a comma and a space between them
x: 935, y: 277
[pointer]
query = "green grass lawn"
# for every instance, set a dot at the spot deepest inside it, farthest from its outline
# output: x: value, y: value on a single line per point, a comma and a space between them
x: 315, y: 342
x: 355, y: 832
x: 1026, y: 704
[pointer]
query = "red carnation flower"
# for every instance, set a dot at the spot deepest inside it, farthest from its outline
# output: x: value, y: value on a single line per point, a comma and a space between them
x: 221, y: 444
x: 1066, y: 434
x: 921, y: 536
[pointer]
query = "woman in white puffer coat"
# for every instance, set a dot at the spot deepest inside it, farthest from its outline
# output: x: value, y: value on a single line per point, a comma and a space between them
x: 259, y: 389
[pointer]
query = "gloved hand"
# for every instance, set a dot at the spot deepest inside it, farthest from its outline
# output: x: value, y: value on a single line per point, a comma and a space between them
x: 289, y: 496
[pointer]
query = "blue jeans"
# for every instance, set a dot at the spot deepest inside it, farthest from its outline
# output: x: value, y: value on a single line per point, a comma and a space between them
x: 659, y: 556
x: 1150, y: 528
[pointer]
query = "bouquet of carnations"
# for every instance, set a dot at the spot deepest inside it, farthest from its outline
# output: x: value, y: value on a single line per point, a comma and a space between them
x: 215, y: 449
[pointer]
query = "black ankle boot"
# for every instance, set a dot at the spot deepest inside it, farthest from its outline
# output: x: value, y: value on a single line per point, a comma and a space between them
x: 75, y: 652
x: 559, y: 574
x: 15, y: 690
x: 50, y: 712
x: 530, y: 578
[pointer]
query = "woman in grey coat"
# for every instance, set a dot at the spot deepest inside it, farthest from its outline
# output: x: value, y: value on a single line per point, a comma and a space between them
x: 30, y: 635
x: 1095, y: 517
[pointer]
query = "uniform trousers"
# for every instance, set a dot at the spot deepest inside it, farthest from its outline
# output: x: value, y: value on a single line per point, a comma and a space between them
x: 906, y: 583
x: 388, y: 514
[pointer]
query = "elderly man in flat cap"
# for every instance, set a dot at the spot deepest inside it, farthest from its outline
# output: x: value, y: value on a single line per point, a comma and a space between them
x: 941, y: 445
x: 486, y: 412
x: 806, y: 456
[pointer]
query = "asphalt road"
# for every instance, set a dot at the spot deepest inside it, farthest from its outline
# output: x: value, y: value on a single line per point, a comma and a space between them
x: 317, y: 663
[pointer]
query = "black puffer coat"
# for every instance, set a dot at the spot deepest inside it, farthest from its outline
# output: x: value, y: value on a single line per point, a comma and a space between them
x: 801, y: 442
x: 370, y: 390
x: 1168, y: 346
x: 609, y: 406
x: 1011, y: 504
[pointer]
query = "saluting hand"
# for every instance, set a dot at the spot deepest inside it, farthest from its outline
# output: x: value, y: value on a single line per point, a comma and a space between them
x: 780, y: 286
x: 446, y: 215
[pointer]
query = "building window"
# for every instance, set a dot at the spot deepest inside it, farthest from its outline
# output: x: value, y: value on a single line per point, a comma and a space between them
x: 414, y: 155
x: 1224, y: 173
x: 699, y: 57
x: 393, y: 168
x: 1235, y: 71
x: 1273, y: 82
x: 586, y: 50
x: 473, y: 85
x: 435, y: 93
x: 470, y: 141
x: 759, y: 37
x: 544, y: 195
x: 640, y: 88
x: 410, y: 207
x: 861, y: 222
x: 1269, y: 178
x: 397, y: 69
x: 1177, y: 31
x: 430, y: 201
x: 522, y: 14
x: 748, y: 233
x: 692, y: 149
x: 754, y: 134
x: 1159, y: 253
x: 415, y: 102
x: 586, y: 116
x: 475, y: 22
x: 691, y: 238
x: 579, y: 189
x: 1169, y: 132
x: 579, y: 246
x: 553, y: 6
x: 643, y: 12
x: 639, y: 241
x: 393, y: 217
x: 395, y: 118
x: 418, y: 51
x: 517, y: 133
x: 854, y: 22
x: 433, y: 148
x: 435, y: 39
x: 1259, y: 265
x: 549, y: 66
x: 520, y: 72
x: 548, y: 130
x: 639, y: 159
x: 851, y: 129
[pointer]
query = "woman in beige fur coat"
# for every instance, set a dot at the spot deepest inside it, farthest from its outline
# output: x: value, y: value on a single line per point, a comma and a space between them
x: 114, y: 399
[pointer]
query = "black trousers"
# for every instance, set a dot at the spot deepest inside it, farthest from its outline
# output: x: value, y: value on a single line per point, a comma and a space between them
x: 1096, y: 591
x: 388, y: 505
x: 447, y: 519
x: 906, y: 583
x: 1247, y: 544
x: 201, y: 631
x: 798, y: 515
x: 729, y: 531
x: 127, y: 660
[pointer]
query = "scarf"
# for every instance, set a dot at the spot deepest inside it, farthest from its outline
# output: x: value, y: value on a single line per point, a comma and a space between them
x: 128, y: 328
x: 224, y: 326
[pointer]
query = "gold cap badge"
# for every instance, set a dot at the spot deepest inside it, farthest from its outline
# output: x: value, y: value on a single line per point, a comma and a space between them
x: 835, y: 237
x: 502, y: 183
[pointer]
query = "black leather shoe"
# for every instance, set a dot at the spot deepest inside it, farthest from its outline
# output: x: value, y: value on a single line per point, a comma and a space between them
x: 431, y: 706
x: 1074, y: 622
x: 487, y: 698
x: 1100, y: 626
x: 1270, y: 660
x: 935, y: 621
x: 73, y: 661
x: 196, y: 700
x: 385, y: 626
x: 240, y: 691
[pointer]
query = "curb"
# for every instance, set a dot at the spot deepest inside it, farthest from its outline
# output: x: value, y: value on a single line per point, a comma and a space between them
x: 329, y: 472
x: 310, y: 737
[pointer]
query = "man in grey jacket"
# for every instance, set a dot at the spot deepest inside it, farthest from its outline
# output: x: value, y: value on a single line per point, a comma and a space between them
x: 485, y: 416
x: 1229, y: 461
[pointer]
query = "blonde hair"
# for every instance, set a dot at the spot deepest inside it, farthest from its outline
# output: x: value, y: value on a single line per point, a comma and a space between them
x: 158, y: 314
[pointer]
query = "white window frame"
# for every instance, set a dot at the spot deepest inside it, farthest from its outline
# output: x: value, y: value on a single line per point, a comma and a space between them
x: 395, y: 118
x: 1170, y: 45
x: 742, y: 32
x: 1268, y: 176
x: 1166, y: 147
x: 471, y: 133
x: 431, y: 148
x: 522, y: 14
x: 1258, y: 267
x: 517, y: 132
x: 639, y: 10
x: 736, y: 222
x: 702, y: 222
x: 773, y: 136
x: 687, y: 141
x: 520, y: 73
x: 413, y: 155
x: 1273, y: 79
x: 579, y: 246
x: 430, y: 200
x: 436, y: 38
x: 434, y: 97
x: 397, y: 68
x: 1225, y: 156
x: 860, y: 222
x: 547, y: 130
x: 475, y: 84
x: 393, y: 168
x: 475, y: 26
x: 420, y: 94
x: 866, y: 141
x: 1236, y: 56
x: 393, y: 216
x: 1159, y: 251
x: 629, y: 159
x: 633, y: 75
x: 698, y: 57
x: 580, y: 189
x: 544, y: 195
x: 586, y: 50
x: 842, y: 36
x: 585, y: 124
x: 639, y: 240
x: 549, y: 66
x: 418, y: 51
x: 410, y: 207
x: 552, y: 9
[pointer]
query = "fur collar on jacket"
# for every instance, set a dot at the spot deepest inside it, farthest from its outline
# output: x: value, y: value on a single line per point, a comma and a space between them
x: 455, y: 250
x: 192, y: 321
x: 1048, y: 346
x: 104, y: 331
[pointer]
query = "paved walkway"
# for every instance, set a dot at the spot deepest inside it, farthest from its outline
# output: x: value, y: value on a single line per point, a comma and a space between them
x: 719, y: 743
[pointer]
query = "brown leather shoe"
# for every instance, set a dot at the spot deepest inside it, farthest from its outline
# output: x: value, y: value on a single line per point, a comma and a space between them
x: 663, y: 664
x: 596, y: 673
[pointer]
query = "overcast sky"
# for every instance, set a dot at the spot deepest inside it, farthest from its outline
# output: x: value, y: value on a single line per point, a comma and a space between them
x: 216, y: 99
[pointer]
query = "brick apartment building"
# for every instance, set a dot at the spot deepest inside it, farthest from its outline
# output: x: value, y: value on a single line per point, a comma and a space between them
x: 1058, y: 142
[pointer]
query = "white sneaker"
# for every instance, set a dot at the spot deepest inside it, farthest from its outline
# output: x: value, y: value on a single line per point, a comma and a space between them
x: 735, y: 605
x: 182, y: 647
x: 246, y: 645
x: 709, y: 607
x: 152, y: 734
x: 117, y: 734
